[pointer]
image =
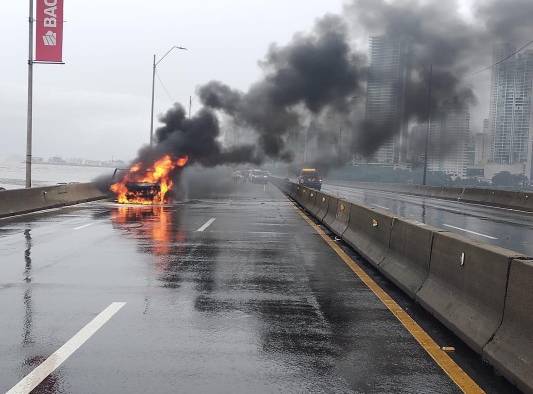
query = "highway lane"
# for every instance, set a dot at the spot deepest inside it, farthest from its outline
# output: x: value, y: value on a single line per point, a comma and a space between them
x: 230, y: 294
x: 497, y: 226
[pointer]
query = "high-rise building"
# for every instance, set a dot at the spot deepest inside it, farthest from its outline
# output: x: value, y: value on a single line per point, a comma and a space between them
x: 385, y: 94
x: 483, y: 145
x: 511, y: 123
x: 450, y: 143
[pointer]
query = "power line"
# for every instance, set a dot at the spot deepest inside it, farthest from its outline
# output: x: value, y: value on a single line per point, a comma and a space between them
x: 504, y: 59
x: 164, y: 87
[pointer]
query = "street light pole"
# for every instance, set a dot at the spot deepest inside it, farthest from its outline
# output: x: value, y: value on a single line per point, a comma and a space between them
x: 154, y: 69
x: 30, y: 99
x: 152, y: 110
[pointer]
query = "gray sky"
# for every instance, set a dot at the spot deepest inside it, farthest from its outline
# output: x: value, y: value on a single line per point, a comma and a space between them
x: 97, y: 105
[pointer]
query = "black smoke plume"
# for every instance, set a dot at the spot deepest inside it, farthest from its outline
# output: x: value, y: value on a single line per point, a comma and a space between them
x: 307, y: 92
x: 198, y: 138
x: 314, y: 73
x: 435, y: 35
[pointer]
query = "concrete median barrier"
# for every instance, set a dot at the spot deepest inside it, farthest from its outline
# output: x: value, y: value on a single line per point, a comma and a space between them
x: 475, y: 195
x: 312, y: 202
x: 16, y: 202
x: 322, y: 205
x: 298, y: 194
x: 302, y: 196
x: 369, y: 232
x: 511, y: 349
x: 342, y: 218
x: 293, y: 189
x: 308, y: 196
x: 407, y: 261
x: 514, y: 200
x: 331, y: 214
x: 466, y: 286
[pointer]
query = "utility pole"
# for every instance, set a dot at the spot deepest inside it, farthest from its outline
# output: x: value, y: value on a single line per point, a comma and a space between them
x: 30, y: 99
x: 154, y: 67
x: 190, y: 106
x: 152, y: 110
x: 424, y: 179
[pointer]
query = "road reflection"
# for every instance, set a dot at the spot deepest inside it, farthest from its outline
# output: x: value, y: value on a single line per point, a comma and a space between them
x: 28, y: 312
x: 160, y: 232
x: 52, y: 384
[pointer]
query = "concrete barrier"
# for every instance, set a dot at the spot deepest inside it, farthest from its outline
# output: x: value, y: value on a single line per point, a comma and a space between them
x: 480, y: 292
x: 302, y: 196
x: 331, y: 214
x: 16, y: 202
x: 515, y: 200
x: 292, y: 190
x: 369, y: 232
x: 475, y: 195
x: 511, y: 349
x: 312, y: 208
x: 322, y: 205
x: 407, y: 261
x: 308, y: 196
x: 298, y: 194
x: 342, y: 218
x: 466, y: 287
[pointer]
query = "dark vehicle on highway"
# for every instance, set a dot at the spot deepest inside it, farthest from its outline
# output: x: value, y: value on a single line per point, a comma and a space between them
x: 137, y: 189
x: 259, y: 177
x: 144, y: 190
x: 310, y: 177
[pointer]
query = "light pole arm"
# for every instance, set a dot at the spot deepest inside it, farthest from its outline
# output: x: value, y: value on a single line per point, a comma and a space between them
x: 168, y: 52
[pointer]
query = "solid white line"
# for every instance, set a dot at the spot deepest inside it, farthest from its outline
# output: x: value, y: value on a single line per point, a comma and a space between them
x: 206, y: 224
x: 381, y: 206
x: 35, y: 377
x: 84, y: 226
x: 469, y: 231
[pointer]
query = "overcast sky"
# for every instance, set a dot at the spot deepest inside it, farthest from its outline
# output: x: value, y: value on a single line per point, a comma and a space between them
x: 98, y: 104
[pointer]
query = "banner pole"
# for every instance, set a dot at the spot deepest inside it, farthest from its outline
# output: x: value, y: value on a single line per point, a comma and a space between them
x: 30, y: 100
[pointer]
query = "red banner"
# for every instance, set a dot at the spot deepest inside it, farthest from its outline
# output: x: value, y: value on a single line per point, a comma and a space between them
x: 49, y: 31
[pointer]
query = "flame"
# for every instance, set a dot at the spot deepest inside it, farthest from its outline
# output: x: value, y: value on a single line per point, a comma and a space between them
x: 148, y: 185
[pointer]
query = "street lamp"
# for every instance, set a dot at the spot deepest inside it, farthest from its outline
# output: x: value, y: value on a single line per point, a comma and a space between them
x: 156, y: 63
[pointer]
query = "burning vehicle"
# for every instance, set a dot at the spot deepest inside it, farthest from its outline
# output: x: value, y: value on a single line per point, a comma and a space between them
x: 147, y: 184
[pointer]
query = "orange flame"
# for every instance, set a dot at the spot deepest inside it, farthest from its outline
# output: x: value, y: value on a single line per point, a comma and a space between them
x: 150, y: 186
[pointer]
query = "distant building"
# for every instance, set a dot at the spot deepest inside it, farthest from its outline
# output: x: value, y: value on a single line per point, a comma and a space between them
x: 416, y: 144
x: 93, y: 163
x: 511, y: 123
x: 385, y: 94
x: 56, y: 160
x: 489, y: 138
x: 450, y: 143
x: 482, y: 144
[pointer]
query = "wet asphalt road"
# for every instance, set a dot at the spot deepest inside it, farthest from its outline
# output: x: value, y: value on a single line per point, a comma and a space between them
x: 497, y: 226
x: 257, y: 302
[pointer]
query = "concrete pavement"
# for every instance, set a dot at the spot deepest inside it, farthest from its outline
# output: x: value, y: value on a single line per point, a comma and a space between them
x: 230, y: 294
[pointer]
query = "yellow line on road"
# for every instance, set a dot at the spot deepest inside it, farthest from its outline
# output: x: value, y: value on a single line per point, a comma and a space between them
x: 450, y: 367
